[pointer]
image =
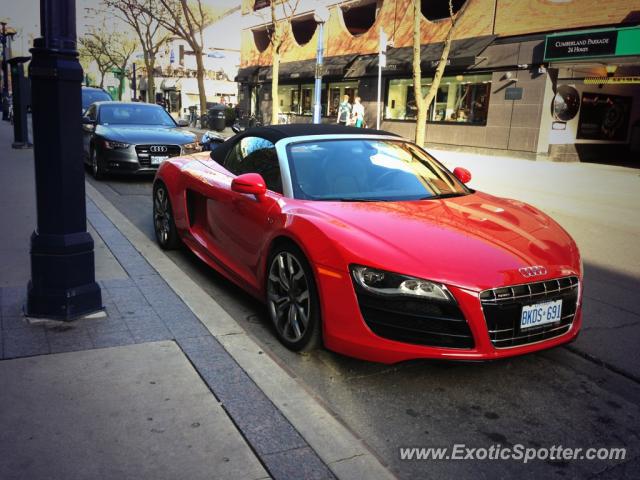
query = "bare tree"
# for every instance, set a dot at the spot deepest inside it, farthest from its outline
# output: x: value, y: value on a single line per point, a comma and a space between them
x: 109, y: 49
x: 278, y: 32
x: 146, y: 18
x: 423, y: 102
x: 186, y: 19
x: 92, y: 50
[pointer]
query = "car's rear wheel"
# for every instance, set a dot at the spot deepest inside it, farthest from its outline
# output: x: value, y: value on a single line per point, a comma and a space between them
x: 163, y: 223
x: 96, y: 169
x: 292, y: 299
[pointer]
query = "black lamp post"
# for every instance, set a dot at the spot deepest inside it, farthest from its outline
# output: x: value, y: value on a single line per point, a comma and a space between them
x: 62, y: 284
x: 5, y: 74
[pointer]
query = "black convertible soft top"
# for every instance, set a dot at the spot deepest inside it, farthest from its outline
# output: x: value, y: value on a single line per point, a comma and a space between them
x: 273, y: 133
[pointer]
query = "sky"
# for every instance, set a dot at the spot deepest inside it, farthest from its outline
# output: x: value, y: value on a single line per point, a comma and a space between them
x: 24, y: 17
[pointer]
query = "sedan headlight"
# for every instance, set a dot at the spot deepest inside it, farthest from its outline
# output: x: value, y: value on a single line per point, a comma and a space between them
x: 112, y: 145
x: 190, y: 147
x: 386, y: 283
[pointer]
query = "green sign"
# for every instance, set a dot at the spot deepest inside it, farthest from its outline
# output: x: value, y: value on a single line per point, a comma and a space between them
x: 597, y: 43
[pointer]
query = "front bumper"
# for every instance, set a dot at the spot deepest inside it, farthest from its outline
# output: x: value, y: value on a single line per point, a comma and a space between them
x: 345, y: 330
x: 124, y: 161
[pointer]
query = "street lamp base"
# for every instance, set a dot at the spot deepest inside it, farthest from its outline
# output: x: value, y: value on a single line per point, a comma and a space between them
x: 64, y: 286
x: 21, y: 145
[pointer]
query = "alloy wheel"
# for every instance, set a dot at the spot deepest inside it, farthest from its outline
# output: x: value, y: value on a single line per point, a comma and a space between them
x: 162, y: 215
x: 288, y: 296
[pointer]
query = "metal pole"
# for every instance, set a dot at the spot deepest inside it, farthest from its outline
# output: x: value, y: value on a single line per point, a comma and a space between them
x: 62, y: 284
x: 133, y: 83
x: 317, y: 106
x: 5, y: 74
x: 379, y: 94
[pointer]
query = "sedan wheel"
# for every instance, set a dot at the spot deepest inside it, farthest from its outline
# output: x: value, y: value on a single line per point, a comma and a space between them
x: 164, y: 226
x: 292, y: 300
x: 96, y: 169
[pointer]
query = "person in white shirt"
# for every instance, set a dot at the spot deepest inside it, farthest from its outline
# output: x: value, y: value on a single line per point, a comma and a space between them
x: 357, y: 113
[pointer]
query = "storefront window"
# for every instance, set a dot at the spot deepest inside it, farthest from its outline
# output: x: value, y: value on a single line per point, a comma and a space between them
x: 289, y: 99
x: 307, y: 99
x: 337, y: 91
x: 460, y: 99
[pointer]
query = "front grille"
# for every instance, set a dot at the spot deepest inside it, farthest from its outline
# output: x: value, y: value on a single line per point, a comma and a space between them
x: 502, y: 309
x: 415, y: 321
x: 144, y: 153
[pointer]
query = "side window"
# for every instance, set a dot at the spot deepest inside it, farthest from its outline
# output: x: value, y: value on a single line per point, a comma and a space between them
x: 256, y: 155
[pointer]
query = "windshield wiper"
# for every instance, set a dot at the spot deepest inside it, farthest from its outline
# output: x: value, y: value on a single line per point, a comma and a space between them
x: 445, y: 195
x: 351, y: 199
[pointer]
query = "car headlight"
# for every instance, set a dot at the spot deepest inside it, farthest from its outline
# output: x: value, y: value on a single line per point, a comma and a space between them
x: 386, y: 283
x: 190, y: 147
x: 112, y: 145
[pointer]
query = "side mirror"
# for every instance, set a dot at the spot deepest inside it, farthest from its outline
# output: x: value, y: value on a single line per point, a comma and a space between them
x: 88, y: 121
x: 182, y: 122
x: 249, y: 183
x: 462, y: 174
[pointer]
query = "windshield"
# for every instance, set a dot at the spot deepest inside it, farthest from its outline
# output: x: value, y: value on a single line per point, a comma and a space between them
x: 135, y: 114
x: 368, y: 170
x: 90, y: 96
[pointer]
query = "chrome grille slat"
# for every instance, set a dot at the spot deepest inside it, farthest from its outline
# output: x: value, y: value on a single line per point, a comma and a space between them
x: 502, y: 308
x: 531, y: 295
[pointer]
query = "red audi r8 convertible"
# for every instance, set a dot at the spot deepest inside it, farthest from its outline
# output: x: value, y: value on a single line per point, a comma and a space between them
x: 362, y: 241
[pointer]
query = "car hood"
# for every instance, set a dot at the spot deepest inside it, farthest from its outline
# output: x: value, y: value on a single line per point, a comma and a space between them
x: 145, y: 134
x: 477, y: 241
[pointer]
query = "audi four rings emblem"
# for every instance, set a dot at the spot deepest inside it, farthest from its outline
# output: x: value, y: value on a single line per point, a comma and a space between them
x: 157, y: 148
x: 532, y: 271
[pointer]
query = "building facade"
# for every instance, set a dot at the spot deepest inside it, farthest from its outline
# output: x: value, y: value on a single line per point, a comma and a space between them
x: 556, y: 78
x: 175, y: 76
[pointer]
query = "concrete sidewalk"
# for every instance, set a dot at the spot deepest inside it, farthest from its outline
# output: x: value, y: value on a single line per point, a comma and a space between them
x: 149, y: 390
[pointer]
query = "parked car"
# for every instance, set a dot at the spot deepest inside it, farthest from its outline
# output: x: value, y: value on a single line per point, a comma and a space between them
x: 132, y: 138
x: 93, y: 94
x: 361, y: 240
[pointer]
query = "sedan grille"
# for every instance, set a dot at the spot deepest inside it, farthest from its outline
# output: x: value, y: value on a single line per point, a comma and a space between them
x: 502, y: 309
x: 419, y: 321
x: 145, y: 152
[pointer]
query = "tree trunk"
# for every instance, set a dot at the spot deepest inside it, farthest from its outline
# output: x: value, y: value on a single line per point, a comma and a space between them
x: 149, y: 64
x: 421, y: 118
x: 102, y: 73
x: 200, y: 74
x: 274, y: 87
x: 423, y: 103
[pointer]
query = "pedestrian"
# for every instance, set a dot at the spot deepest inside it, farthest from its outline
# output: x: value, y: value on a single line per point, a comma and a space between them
x: 344, y: 111
x: 357, y: 113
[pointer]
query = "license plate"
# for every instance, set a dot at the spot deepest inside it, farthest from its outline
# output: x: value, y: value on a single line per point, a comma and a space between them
x: 540, y: 314
x: 157, y: 160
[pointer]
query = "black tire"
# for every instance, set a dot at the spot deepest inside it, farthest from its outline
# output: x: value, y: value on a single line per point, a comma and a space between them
x: 286, y: 305
x: 96, y: 169
x: 163, y: 223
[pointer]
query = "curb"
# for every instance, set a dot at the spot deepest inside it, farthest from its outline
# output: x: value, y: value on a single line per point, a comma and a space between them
x: 344, y: 453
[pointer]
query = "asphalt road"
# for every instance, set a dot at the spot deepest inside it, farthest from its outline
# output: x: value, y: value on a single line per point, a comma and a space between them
x: 587, y: 395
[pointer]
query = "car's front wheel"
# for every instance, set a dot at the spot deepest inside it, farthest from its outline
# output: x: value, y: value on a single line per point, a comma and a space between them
x: 292, y: 299
x: 96, y: 169
x: 163, y: 223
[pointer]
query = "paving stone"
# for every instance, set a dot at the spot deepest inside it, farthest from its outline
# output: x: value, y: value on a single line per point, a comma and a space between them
x: 106, y: 325
x: 13, y: 322
x: 116, y: 283
x: 111, y: 339
x: 139, y: 311
x: 298, y: 463
x: 150, y: 333
x: 70, y: 340
x: 13, y: 299
x: 25, y: 342
x: 186, y: 328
